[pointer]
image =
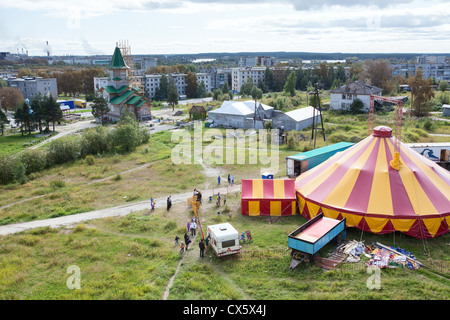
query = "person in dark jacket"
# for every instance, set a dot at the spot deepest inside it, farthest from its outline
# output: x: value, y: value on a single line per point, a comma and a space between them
x: 169, y: 202
x: 201, y: 245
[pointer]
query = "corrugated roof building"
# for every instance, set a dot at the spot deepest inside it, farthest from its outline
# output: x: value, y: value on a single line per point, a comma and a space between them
x: 298, y: 119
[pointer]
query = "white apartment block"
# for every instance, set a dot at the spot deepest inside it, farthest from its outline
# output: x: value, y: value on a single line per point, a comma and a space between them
x: 239, y: 76
x: 152, y: 82
x: 33, y: 86
x: 245, y: 62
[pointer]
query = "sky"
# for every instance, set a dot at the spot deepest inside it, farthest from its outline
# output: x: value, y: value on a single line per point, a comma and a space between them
x: 90, y: 27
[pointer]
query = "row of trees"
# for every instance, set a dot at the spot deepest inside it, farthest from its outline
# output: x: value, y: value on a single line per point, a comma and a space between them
x: 39, y: 112
x: 125, y: 137
x: 71, y: 82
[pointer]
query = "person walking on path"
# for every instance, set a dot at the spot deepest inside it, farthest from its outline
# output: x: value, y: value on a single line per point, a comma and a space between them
x: 229, y: 179
x: 176, y: 239
x: 186, y: 240
x: 188, y: 226
x: 218, y: 180
x: 207, y: 242
x: 181, y: 247
x: 169, y: 202
x: 152, y: 202
x: 193, y: 228
x: 218, y: 199
x: 201, y: 245
x: 232, y: 179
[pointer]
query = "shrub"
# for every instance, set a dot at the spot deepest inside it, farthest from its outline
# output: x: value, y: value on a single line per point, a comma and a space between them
x: 56, y: 184
x: 428, y: 125
x: 95, y: 141
x: 90, y: 160
x: 33, y: 160
x: 63, y: 150
x: 126, y: 137
x: 11, y: 170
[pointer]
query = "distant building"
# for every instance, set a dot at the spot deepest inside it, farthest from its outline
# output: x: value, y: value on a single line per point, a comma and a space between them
x: 245, y: 62
x: 120, y: 95
x: 446, y: 110
x: 241, y: 114
x: 152, y: 82
x: 297, y: 120
x: 341, y: 98
x: 239, y: 76
x: 33, y: 86
x: 434, y: 67
x: 148, y: 62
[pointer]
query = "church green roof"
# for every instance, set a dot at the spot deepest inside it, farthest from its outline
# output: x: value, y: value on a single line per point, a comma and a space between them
x: 121, y: 98
x: 111, y: 89
x: 117, y: 61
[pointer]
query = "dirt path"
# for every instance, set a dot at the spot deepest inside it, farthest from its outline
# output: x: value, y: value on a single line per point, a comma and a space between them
x: 121, y: 210
x: 67, y: 130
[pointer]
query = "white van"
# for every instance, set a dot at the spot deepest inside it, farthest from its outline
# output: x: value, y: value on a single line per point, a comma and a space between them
x: 224, y: 239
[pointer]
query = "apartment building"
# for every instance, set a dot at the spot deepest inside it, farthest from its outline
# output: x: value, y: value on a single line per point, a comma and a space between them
x: 247, y: 62
x: 239, y: 76
x: 152, y: 82
x: 32, y: 86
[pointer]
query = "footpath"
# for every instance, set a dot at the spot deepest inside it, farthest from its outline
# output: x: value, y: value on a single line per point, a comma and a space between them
x: 121, y: 210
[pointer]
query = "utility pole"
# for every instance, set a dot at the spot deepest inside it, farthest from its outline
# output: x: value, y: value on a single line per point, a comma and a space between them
x: 314, y: 125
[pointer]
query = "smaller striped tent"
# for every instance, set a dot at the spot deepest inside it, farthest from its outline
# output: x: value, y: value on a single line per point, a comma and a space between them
x: 268, y: 197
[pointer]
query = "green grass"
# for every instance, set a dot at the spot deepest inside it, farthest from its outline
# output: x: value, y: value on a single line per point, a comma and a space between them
x: 11, y: 144
x: 133, y: 257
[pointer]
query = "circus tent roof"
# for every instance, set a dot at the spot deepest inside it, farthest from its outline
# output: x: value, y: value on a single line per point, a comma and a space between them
x: 360, y: 184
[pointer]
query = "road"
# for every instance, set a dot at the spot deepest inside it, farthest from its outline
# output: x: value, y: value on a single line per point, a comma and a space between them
x: 121, y: 210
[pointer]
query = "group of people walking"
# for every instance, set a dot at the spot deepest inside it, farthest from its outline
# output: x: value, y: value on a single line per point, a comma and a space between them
x: 191, y: 226
x: 230, y: 179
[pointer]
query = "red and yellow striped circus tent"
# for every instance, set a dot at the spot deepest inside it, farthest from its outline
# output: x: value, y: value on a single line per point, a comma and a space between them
x: 360, y: 184
x: 268, y: 197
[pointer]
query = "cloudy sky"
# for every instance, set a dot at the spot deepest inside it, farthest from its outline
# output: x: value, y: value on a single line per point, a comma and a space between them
x: 88, y: 27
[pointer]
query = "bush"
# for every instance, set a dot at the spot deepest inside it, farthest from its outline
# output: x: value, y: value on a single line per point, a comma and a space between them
x: 33, y: 160
x: 11, y: 170
x: 63, y: 150
x: 126, y: 137
x: 428, y: 125
x: 90, y: 160
x: 95, y: 141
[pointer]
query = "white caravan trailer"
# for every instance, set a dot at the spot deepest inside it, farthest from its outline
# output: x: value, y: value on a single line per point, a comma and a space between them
x: 224, y: 239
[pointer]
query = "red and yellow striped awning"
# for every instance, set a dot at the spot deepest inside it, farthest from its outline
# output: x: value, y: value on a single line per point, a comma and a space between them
x: 268, y: 197
x: 361, y: 185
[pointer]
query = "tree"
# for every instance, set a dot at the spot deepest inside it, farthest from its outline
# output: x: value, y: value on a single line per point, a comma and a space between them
x: 356, y: 106
x: 379, y: 73
x: 172, y: 94
x: 12, y: 97
x: 100, y: 107
x: 216, y: 94
x: 191, y: 85
x: 3, y: 120
x: 225, y: 87
x: 38, y: 110
x: 201, y: 90
x: 289, y: 86
x: 22, y: 116
x: 247, y: 87
x: 268, y: 79
x: 443, y: 85
x: 421, y: 94
x: 163, y: 87
x: 52, y: 109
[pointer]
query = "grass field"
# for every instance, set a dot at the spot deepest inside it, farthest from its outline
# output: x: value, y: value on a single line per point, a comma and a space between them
x: 134, y: 257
